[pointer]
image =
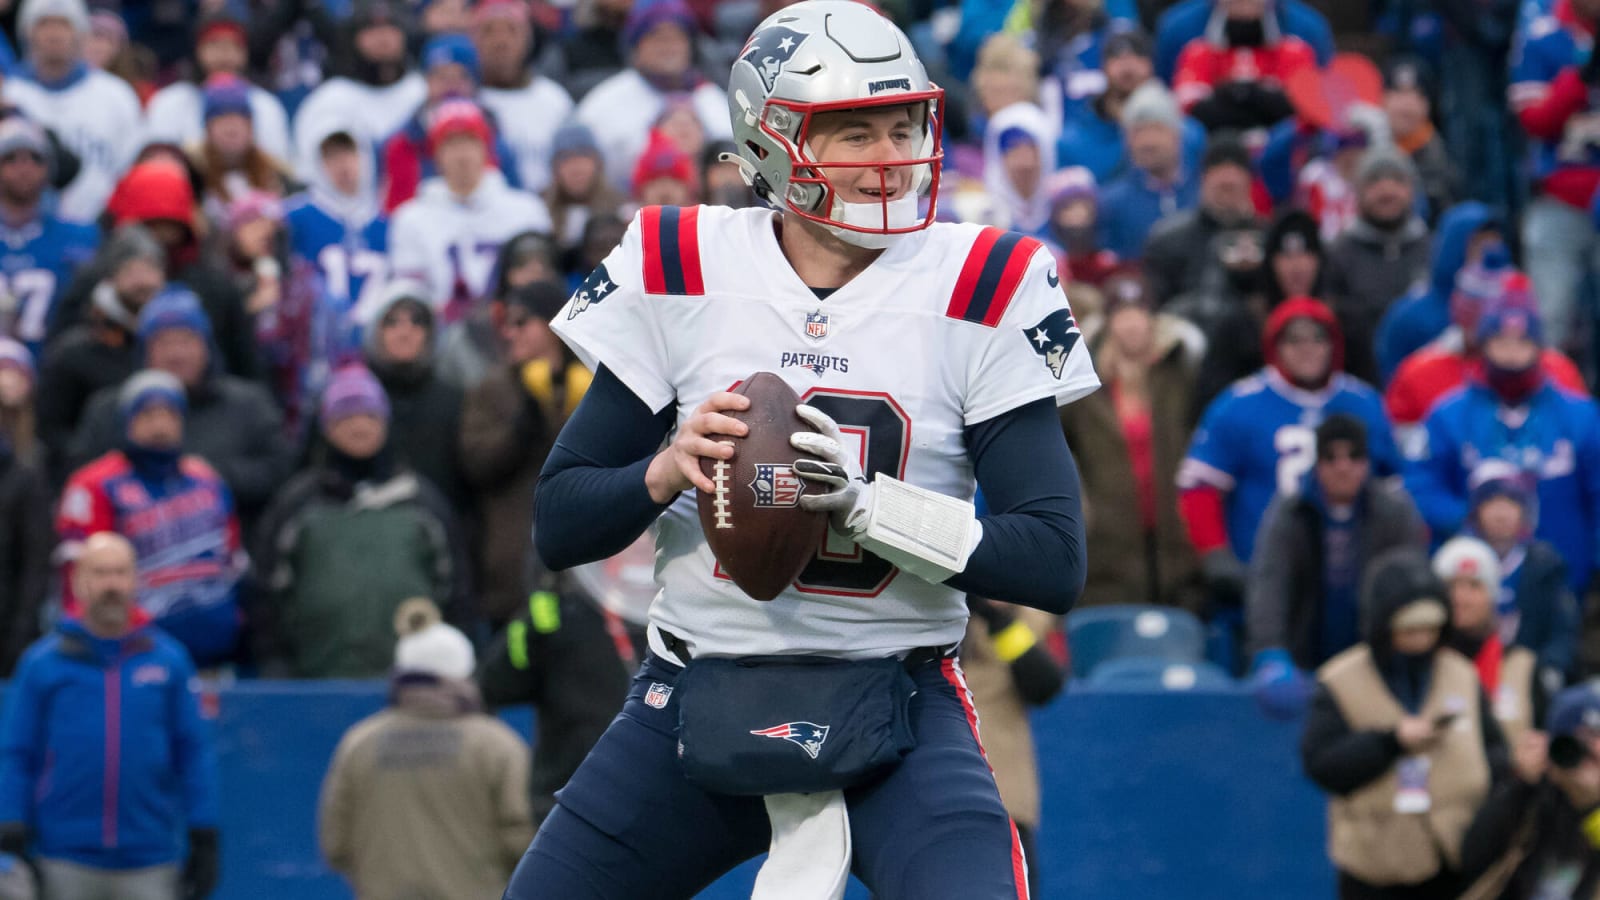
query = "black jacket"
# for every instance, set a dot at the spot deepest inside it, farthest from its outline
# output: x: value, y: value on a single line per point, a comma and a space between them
x: 91, y: 356
x: 425, y: 426
x: 26, y: 540
x: 1539, y: 824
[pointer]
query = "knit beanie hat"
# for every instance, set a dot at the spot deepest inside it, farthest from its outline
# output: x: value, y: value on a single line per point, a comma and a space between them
x: 14, y: 355
x: 225, y: 95
x: 75, y: 12
x: 175, y: 307
x: 1467, y: 557
x: 353, y: 391
x: 1152, y: 104
x: 429, y: 646
x: 147, y: 387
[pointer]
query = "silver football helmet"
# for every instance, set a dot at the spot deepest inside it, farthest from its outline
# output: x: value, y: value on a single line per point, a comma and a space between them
x: 820, y: 56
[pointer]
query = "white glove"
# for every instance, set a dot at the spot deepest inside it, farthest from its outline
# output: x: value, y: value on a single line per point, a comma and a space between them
x: 849, y: 495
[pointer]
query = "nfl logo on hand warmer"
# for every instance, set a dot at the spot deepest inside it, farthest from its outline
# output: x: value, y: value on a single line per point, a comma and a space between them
x: 657, y: 696
x: 808, y: 736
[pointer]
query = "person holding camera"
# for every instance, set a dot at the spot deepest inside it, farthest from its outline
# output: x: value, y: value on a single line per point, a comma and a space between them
x: 1538, y: 836
x: 1401, y: 737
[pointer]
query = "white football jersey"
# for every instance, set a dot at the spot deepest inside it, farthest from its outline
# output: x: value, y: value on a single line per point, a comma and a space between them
x: 951, y: 326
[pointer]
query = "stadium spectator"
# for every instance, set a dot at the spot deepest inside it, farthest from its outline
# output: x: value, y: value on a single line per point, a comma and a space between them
x: 1234, y: 78
x: 428, y: 797
x: 103, y: 348
x: 1019, y: 150
x: 229, y: 422
x: 578, y: 188
x: 105, y: 763
x: 1533, y: 604
x: 1551, y: 77
x: 620, y: 110
x: 556, y: 655
x: 1509, y: 672
x: 1187, y: 20
x: 1069, y: 36
x: 1401, y: 737
x: 1230, y: 299
x: 1074, y: 225
x: 1179, y: 248
x: 19, y: 379
x: 377, y: 91
x: 1379, y: 256
x: 42, y: 249
x: 470, y: 348
x: 338, y: 242
x: 529, y: 106
x: 508, y: 422
x: 1302, y: 604
x: 1539, y: 826
x: 1456, y: 356
x: 1294, y: 263
x: 174, y: 508
x: 448, y: 236
x: 159, y: 195
x: 595, y: 49
x: 451, y: 71
x: 1092, y: 135
x: 1155, y: 185
x: 721, y: 182
x: 1257, y: 439
x: 346, y: 541
x: 1009, y: 667
x: 1007, y: 73
x: 1128, y: 439
x: 108, y: 49
x: 1466, y: 236
x: 1512, y: 411
x: 424, y: 409
x: 665, y: 175
x: 1408, y: 106
x: 176, y: 114
x: 230, y: 160
x: 24, y: 546
x: 251, y: 242
x: 97, y: 115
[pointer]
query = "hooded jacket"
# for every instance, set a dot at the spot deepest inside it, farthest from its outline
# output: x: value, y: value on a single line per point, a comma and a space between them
x: 1368, y: 269
x: 450, y: 243
x: 103, y: 754
x: 1424, y: 313
x: 24, y: 554
x: 1028, y: 215
x: 1357, y: 765
x: 407, y: 162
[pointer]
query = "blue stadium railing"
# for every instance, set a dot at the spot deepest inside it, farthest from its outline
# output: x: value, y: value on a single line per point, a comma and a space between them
x: 1188, y: 795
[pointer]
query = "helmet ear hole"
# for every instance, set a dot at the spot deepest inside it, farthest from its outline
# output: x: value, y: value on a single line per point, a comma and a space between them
x: 755, y: 148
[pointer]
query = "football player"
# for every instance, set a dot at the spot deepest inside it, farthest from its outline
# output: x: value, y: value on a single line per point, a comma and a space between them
x: 927, y: 356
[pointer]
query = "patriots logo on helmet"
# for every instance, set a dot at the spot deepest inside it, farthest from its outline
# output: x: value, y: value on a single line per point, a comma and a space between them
x: 769, y: 51
x: 776, y: 485
x: 595, y: 288
x: 1053, y: 338
x: 808, y: 736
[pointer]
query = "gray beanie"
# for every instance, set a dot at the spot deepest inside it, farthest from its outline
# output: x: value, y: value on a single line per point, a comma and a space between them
x: 131, y: 242
x: 1152, y: 104
x: 1385, y: 161
x: 76, y: 12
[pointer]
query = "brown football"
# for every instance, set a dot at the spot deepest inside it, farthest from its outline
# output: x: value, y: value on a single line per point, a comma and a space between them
x: 753, y: 520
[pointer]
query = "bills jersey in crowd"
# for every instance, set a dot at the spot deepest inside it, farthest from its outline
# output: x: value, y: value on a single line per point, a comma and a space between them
x: 37, y: 260
x: 1259, y: 438
x: 351, y: 262
x: 949, y: 327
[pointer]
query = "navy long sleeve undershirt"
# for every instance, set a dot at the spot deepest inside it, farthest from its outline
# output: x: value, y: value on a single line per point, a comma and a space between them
x: 592, y: 501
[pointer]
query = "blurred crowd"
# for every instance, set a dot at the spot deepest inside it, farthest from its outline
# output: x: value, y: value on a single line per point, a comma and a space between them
x: 275, y: 296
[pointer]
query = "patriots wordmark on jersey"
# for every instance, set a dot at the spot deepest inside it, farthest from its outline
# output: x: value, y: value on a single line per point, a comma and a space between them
x: 949, y: 327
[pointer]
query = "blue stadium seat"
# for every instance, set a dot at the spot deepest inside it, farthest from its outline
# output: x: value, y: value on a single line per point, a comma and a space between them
x: 1143, y: 674
x: 1101, y: 633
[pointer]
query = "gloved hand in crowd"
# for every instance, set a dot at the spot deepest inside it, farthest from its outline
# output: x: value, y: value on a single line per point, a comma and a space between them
x: 1224, y: 574
x: 1281, y: 689
x: 14, y: 839
x: 201, y: 869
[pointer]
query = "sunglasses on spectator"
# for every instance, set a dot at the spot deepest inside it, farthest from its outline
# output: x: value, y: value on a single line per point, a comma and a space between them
x: 1339, y: 455
x: 28, y: 155
x: 405, y: 315
x: 1568, y: 752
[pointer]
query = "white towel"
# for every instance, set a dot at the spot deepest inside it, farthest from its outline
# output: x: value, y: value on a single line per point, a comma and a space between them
x: 810, y: 854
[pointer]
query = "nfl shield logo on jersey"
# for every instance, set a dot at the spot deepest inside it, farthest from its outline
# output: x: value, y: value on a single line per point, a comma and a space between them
x: 817, y: 325
x: 657, y: 696
x: 776, y: 485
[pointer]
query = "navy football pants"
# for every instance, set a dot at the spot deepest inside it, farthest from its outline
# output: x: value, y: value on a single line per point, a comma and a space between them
x: 629, y: 825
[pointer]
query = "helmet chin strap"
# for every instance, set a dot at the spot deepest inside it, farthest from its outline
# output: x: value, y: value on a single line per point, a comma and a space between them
x: 902, y: 213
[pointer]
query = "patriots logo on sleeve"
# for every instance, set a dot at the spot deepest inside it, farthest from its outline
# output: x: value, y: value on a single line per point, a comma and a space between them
x: 1053, y: 338
x: 808, y: 736
x: 595, y: 288
x: 769, y: 51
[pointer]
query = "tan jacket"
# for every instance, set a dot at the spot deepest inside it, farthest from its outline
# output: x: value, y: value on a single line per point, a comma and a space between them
x: 1512, y: 700
x: 426, y: 802
x: 1367, y: 838
x: 1003, y: 718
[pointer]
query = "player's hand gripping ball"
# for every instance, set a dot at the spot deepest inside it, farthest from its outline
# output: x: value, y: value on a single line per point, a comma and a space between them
x: 753, y: 520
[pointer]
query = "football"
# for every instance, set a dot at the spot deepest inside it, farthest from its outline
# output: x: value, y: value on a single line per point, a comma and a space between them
x: 753, y: 520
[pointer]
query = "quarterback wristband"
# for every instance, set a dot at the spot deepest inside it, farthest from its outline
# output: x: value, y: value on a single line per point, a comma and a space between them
x: 923, y: 532
x: 1013, y: 640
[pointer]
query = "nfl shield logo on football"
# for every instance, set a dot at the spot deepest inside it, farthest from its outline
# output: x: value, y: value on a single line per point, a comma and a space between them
x: 776, y: 484
x: 816, y: 325
x: 657, y: 695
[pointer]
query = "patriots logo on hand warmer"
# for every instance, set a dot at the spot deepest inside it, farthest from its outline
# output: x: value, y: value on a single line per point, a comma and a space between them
x: 808, y: 736
x: 1053, y: 338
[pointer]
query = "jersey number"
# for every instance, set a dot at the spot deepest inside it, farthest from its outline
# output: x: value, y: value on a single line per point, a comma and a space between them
x: 341, y: 268
x: 31, y: 292
x: 1297, y: 449
x: 841, y: 567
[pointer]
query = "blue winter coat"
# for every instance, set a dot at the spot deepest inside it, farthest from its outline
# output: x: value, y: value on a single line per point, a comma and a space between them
x: 1424, y: 314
